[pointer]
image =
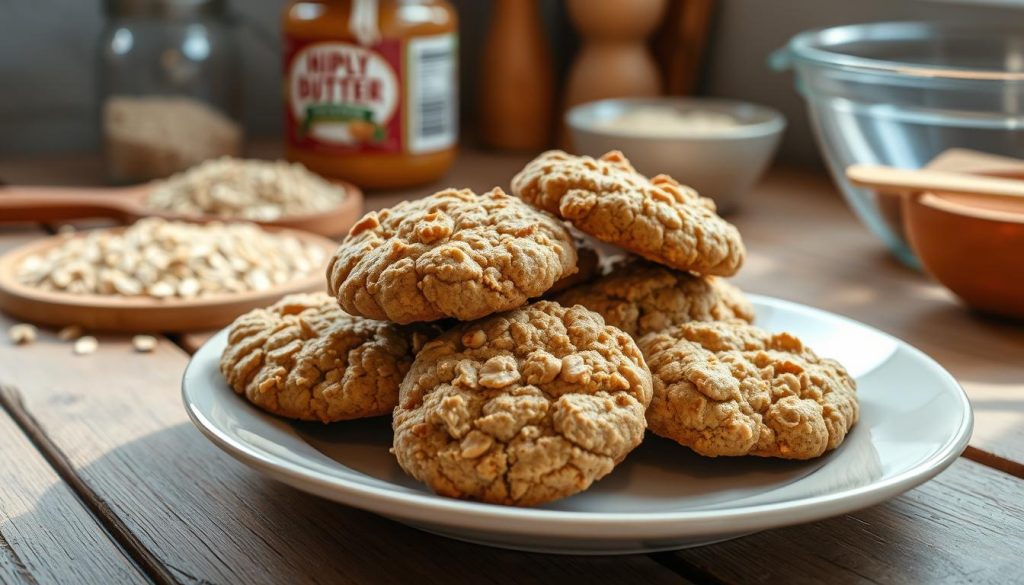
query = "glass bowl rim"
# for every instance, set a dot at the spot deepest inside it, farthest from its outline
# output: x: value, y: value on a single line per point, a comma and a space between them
x: 813, y: 46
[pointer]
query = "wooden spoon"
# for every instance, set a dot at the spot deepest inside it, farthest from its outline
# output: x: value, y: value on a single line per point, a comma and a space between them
x: 127, y: 204
x: 909, y: 181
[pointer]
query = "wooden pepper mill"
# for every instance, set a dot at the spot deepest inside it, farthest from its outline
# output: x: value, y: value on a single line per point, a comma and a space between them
x: 614, y: 60
x: 517, y: 86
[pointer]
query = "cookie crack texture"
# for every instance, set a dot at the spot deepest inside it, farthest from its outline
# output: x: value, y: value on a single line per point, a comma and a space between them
x: 452, y: 254
x: 729, y: 388
x: 641, y: 297
x: 656, y: 218
x: 304, y: 358
x: 523, y: 407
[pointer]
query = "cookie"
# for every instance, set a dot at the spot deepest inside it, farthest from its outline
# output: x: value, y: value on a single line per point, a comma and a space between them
x: 656, y: 218
x: 729, y: 388
x: 304, y: 358
x: 452, y: 254
x: 641, y: 297
x: 522, y: 408
x: 587, y: 268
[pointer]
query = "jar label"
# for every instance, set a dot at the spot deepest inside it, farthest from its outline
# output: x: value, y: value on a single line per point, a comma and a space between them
x: 390, y: 97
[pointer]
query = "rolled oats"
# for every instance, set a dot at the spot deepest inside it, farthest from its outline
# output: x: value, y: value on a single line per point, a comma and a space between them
x: 144, y: 343
x: 70, y: 333
x: 22, y: 333
x: 167, y: 259
x: 247, y: 189
x: 85, y: 345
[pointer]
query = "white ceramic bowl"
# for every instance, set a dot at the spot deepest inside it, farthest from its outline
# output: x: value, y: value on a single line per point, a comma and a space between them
x: 723, y: 164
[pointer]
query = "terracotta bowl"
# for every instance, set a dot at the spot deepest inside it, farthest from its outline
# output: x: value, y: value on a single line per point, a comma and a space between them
x: 974, y: 248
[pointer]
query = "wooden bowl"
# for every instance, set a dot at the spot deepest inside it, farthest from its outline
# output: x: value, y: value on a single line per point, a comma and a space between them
x: 975, y: 248
x: 142, y: 313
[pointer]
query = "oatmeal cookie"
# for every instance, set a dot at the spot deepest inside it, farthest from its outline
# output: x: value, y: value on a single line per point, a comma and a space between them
x: 522, y: 408
x: 641, y: 297
x: 587, y: 267
x: 729, y: 388
x: 304, y: 358
x: 452, y: 254
x: 656, y: 218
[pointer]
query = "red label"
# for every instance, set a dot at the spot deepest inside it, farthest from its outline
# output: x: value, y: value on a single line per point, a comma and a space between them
x: 343, y: 98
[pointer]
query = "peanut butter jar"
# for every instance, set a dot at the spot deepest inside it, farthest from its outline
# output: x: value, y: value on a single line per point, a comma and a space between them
x: 371, y: 89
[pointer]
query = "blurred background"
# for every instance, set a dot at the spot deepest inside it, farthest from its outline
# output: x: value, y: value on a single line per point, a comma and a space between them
x: 49, y: 102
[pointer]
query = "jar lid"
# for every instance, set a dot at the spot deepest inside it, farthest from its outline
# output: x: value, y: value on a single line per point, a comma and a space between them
x: 170, y: 8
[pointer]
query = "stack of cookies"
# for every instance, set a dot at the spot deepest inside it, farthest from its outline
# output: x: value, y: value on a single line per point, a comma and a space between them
x: 496, y: 396
x: 721, y: 385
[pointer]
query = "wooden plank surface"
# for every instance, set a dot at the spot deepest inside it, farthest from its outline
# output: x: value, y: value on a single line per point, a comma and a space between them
x: 965, y: 526
x: 46, y: 534
x: 200, y: 512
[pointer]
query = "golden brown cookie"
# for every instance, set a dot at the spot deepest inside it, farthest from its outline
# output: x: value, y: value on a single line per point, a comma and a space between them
x: 641, y: 297
x: 656, y: 218
x: 729, y: 388
x: 304, y: 358
x: 522, y: 408
x: 452, y: 254
x: 587, y: 267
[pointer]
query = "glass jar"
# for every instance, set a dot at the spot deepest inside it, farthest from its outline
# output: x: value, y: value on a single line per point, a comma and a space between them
x: 169, y: 87
x: 371, y: 92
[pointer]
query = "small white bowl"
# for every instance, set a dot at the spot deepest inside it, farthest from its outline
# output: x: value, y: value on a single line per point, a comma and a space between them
x: 723, y: 163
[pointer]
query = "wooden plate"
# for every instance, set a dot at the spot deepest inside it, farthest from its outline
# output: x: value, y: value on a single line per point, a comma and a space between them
x: 138, y: 314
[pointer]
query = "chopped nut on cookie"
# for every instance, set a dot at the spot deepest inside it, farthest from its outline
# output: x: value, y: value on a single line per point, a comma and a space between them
x: 656, y: 218
x: 523, y: 407
x: 729, y: 388
x: 452, y: 254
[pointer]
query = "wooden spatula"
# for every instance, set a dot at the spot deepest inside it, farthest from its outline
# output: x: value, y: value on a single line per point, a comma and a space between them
x: 906, y: 181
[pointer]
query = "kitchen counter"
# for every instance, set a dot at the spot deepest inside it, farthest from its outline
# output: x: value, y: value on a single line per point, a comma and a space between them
x: 104, y: 479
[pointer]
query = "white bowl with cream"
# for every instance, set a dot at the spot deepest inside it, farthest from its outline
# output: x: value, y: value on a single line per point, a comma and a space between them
x: 718, y: 147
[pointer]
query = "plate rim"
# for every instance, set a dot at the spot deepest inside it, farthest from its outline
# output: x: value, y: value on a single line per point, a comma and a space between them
x: 425, y: 507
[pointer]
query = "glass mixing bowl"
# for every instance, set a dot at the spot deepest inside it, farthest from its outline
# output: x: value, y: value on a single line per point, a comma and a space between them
x: 901, y: 93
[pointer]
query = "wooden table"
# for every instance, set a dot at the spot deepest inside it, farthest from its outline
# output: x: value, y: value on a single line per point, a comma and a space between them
x: 104, y: 480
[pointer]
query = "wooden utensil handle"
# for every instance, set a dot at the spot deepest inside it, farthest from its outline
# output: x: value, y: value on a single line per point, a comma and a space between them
x: 57, y: 203
x: 894, y: 180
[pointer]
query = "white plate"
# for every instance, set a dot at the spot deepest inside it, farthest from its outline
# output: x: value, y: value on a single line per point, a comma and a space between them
x: 915, y: 421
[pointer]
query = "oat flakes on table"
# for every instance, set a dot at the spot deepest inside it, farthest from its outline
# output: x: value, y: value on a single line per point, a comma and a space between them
x: 728, y: 388
x: 22, y: 333
x: 452, y: 254
x: 522, y: 408
x: 656, y: 218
